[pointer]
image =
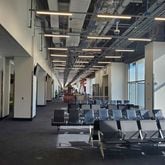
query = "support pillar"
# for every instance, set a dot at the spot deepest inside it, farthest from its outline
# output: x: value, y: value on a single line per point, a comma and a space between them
x: 49, y: 88
x: 155, y: 77
x: 41, y: 85
x: 4, y: 86
x: 23, y: 87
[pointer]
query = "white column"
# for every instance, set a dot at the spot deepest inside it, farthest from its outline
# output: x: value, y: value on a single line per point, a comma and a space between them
x: 23, y: 87
x: 118, y: 81
x: 49, y: 88
x: 41, y: 85
x: 7, y: 78
x: 149, y: 53
x: 155, y: 77
x: 1, y: 85
x: 4, y: 86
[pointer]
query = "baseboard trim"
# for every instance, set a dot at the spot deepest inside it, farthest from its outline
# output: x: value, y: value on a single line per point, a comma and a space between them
x: 22, y: 119
x: 2, y: 118
x: 41, y: 105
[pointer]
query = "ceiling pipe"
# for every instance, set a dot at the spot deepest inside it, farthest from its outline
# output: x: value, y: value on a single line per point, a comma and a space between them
x: 155, y: 9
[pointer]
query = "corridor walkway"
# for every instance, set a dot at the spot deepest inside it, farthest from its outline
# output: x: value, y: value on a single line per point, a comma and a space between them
x: 35, y: 143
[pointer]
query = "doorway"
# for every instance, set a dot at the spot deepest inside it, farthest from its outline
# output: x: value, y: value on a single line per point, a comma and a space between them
x: 105, y: 85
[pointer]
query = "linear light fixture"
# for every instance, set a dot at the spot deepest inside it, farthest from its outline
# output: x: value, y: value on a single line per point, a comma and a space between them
x: 99, y: 37
x: 53, y: 13
x: 140, y: 39
x: 78, y: 65
x: 85, y: 62
x: 56, y: 35
x: 91, y: 50
x: 113, y: 16
x: 59, y: 68
x: 112, y: 56
x: 59, y: 65
x: 97, y: 66
x: 104, y: 62
x: 58, y: 61
x: 159, y: 18
x: 58, y: 55
x: 57, y: 48
x: 124, y: 50
x: 76, y: 68
x: 86, y: 56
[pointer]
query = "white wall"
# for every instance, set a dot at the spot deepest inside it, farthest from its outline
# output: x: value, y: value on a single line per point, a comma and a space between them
x: 23, y: 87
x: 117, y: 80
x: 7, y: 78
x: 1, y: 83
x: 15, y: 18
x: 41, y: 88
x: 159, y: 76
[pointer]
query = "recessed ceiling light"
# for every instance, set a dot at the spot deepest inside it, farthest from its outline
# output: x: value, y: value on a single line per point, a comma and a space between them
x: 91, y: 50
x: 56, y: 35
x: 139, y: 39
x: 104, y: 62
x: 57, y: 48
x: 124, y: 50
x: 59, y: 65
x: 86, y: 56
x: 58, y: 61
x: 159, y: 18
x: 97, y: 66
x: 82, y: 62
x: 53, y: 13
x: 99, y: 37
x: 112, y: 56
x: 113, y: 16
x: 58, y: 55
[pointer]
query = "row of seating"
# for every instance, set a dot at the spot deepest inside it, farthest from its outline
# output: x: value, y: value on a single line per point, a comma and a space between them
x: 87, y: 117
x: 98, y: 106
x: 128, y: 132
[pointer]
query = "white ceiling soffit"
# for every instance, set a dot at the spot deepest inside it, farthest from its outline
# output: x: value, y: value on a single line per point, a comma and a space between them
x: 9, y: 47
x: 77, y: 21
x: 54, y: 20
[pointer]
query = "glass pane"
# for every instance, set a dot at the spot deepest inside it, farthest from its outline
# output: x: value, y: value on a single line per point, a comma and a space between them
x: 132, y: 68
x: 140, y: 94
x: 132, y: 93
x: 140, y: 69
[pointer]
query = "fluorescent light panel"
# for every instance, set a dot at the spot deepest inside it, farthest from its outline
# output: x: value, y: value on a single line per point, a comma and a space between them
x: 99, y: 37
x: 139, y: 39
x: 103, y: 62
x: 57, y: 48
x: 97, y: 66
x: 53, y: 13
x: 56, y: 35
x: 86, y: 56
x: 85, y: 62
x: 59, y: 65
x: 58, y: 55
x: 159, y: 18
x: 58, y: 61
x: 113, y: 16
x: 124, y: 50
x: 78, y: 65
x: 91, y: 50
x: 112, y: 56
x: 58, y: 68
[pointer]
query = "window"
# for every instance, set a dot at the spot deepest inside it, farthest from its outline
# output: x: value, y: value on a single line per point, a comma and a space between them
x: 136, y: 82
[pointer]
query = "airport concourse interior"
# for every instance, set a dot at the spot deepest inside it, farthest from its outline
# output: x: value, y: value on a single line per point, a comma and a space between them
x: 82, y: 82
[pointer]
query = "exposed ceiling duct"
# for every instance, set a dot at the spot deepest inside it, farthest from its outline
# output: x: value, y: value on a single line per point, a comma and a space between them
x: 84, y: 22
